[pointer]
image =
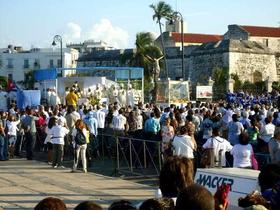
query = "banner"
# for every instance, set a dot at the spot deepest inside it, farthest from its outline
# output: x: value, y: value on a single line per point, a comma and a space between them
x: 241, y: 181
x: 204, y: 91
x: 28, y: 98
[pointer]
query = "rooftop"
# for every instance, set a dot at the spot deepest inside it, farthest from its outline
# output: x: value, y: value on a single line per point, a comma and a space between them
x: 262, y: 31
x: 196, y: 38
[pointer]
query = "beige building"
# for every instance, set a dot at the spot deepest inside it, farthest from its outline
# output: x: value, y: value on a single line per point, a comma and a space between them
x: 252, y: 52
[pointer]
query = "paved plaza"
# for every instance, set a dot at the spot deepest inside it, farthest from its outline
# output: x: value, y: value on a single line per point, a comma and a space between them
x: 24, y: 183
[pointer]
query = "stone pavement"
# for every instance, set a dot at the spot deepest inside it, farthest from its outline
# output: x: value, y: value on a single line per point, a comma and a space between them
x: 24, y: 183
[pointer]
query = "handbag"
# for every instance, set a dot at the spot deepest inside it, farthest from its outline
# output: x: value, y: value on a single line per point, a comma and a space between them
x: 255, y: 164
x: 207, y: 157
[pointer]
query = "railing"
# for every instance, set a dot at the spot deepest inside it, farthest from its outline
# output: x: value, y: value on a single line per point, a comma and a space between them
x: 131, y: 156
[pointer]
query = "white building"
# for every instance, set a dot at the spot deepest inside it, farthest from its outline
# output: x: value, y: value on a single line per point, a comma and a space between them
x: 15, y: 62
x: 89, y: 46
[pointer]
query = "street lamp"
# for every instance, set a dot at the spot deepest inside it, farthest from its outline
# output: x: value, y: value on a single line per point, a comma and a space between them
x: 178, y: 16
x: 56, y: 39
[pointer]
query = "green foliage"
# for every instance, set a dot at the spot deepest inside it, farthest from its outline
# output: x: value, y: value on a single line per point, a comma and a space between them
x: 161, y: 10
x: 255, y: 88
x: 3, y: 82
x: 238, y: 85
x: 276, y: 85
x: 220, y: 77
x: 29, y: 80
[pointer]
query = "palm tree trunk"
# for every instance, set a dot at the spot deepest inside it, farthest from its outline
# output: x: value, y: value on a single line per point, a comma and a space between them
x: 163, y: 50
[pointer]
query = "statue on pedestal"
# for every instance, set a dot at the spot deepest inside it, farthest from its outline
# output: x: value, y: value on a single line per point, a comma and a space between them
x: 156, y: 72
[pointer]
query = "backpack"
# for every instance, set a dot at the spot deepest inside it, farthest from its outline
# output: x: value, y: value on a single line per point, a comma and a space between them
x: 80, y: 138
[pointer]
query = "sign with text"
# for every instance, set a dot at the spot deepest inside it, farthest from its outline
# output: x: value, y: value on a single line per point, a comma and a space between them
x: 241, y: 181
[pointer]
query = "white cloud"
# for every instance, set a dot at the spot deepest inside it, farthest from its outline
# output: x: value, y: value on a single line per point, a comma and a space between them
x: 73, y: 32
x: 113, y: 35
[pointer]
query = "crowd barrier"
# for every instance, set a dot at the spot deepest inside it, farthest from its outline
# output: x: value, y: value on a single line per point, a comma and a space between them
x: 131, y: 156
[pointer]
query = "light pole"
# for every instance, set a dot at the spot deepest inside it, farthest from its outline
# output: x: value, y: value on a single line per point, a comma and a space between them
x: 178, y: 16
x: 58, y: 38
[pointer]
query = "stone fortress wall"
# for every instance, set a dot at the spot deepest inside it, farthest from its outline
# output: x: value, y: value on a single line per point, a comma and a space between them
x: 251, y: 58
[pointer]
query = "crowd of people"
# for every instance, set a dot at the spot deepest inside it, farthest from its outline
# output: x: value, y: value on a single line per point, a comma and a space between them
x: 234, y: 132
x: 177, y: 191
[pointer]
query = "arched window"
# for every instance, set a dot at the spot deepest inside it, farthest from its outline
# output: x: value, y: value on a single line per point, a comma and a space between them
x: 257, y: 76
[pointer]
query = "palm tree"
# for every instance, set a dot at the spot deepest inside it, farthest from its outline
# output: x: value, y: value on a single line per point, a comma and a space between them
x: 162, y: 10
x: 146, y: 53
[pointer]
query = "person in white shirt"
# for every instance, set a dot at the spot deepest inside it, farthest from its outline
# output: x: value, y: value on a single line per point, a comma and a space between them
x: 219, y: 144
x: 120, y: 123
x: 235, y: 128
x: 183, y: 144
x: 58, y: 132
x: 54, y: 99
x: 99, y: 115
x: 51, y: 122
x: 12, y: 124
x: 79, y: 134
x: 267, y: 131
x: 242, y: 152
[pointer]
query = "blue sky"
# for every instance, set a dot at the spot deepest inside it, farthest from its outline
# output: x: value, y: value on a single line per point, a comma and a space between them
x: 35, y: 22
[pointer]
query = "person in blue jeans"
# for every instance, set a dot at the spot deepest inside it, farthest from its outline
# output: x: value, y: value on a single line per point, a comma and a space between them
x: 3, y: 144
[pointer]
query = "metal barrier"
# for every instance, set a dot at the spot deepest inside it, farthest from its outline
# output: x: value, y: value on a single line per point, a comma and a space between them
x: 131, y: 156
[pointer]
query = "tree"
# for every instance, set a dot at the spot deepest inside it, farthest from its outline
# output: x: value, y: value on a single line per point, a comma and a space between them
x: 147, y: 55
x: 162, y: 10
x: 220, y: 77
x: 29, y: 80
x: 238, y: 85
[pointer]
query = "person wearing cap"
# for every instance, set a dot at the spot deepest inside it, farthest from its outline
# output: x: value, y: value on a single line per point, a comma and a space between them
x: 57, y: 133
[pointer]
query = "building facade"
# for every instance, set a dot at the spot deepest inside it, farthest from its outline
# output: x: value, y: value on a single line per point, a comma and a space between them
x: 247, y: 51
x: 110, y: 58
x: 89, y: 46
x: 16, y: 62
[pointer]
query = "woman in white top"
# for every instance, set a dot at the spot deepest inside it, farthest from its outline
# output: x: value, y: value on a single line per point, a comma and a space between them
x: 242, y: 152
x: 48, y: 140
x: 12, y: 133
x: 79, y: 134
x: 183, y: 144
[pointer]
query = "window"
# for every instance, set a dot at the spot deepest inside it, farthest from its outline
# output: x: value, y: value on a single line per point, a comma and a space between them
x: 265, y: 42
x: 10, y: 63
x: 10, y: 77
x: 26, y: 63
x: 37, y: 63
x: 51, y: 63
x: 59, y: 63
